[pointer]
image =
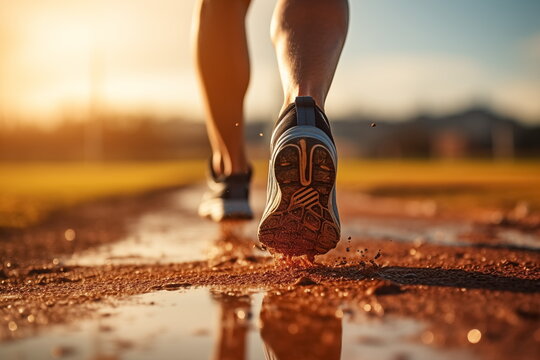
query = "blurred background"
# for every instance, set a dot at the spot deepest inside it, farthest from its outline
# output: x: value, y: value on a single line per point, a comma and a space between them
x: 112, y: 82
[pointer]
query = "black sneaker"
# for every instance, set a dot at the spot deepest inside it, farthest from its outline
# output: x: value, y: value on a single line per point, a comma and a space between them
x: 227, y: 197
x: 301, y: 216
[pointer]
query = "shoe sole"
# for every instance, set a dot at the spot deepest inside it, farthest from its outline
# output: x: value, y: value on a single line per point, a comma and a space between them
x: 224, y: 209
x: 301, y: 216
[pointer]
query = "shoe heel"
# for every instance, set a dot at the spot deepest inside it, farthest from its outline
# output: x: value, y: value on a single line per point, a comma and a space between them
x: 302, y: 223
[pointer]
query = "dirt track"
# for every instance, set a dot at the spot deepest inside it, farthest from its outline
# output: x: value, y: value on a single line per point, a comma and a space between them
x: 478, y: 286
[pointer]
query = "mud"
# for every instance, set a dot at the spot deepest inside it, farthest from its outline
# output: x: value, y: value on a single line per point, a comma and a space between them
x: 481, y: 296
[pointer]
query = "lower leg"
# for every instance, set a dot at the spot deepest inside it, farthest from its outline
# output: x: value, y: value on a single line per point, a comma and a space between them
x: 308, y: 37
x: 222, y: 61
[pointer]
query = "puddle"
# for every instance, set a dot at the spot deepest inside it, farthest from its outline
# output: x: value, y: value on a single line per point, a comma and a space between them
x: 201, y: 324
x: 519, y: 238
x: 427, y: 231
x: 174, y: 234
x: 177, y: 234
x: 409, y: 230
x: 160, y: 237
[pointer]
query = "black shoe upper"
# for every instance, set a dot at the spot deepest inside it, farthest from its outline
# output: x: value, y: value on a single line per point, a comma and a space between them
x: 234, y: 186
x: 289, y: 118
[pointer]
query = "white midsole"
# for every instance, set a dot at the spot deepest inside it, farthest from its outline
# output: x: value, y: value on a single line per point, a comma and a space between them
x: 273, y: 198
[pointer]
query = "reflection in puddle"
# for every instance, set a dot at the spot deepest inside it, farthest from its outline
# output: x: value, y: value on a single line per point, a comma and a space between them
x: 292, y: 331
x: 199, y: 324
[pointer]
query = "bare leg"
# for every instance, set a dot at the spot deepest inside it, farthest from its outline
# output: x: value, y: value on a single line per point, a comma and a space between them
x: 301, y: 216
x: 222, y: 61
x: 308, y: 36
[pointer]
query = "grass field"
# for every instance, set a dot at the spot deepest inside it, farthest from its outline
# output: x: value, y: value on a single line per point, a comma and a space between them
x: 467, y: 184
x: 30, y: 191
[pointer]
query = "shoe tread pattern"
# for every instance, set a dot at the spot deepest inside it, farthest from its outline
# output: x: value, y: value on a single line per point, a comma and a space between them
x: 302, y: 224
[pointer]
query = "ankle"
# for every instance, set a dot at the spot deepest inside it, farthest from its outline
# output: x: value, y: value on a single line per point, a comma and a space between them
x: 223, y: 165
x: 291, y: 96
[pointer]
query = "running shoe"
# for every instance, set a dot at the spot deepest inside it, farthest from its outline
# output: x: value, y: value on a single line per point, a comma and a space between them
x: 227, y: 197
x: 301, y: 216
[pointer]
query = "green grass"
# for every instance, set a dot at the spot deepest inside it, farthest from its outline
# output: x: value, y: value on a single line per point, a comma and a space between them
x: 30, y: 191
x: 453, y: 184
x: 369, y: 174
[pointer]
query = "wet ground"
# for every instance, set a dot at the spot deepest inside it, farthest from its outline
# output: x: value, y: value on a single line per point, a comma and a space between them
x: 145, y: 278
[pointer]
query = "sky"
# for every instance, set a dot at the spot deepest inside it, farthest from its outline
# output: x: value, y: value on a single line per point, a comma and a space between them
x: 401, y: 57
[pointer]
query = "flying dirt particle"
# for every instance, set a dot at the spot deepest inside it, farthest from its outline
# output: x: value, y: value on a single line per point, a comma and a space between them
x: 261, y: 134
x: 349, y: 238
x: 260, y: 247
x: 348, y: 249
x: 372, y: 125
x: 378, y: 255
x: 474, y: 336
x: 366, y: 307
x: 305, y: 281
x: 70, y: 234
x: 236, y: 124
x: 241, y: 314
x: 30, y: 318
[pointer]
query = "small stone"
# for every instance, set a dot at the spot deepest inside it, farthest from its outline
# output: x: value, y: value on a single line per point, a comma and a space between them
x: 305, y: 281
x: 384, y: 289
